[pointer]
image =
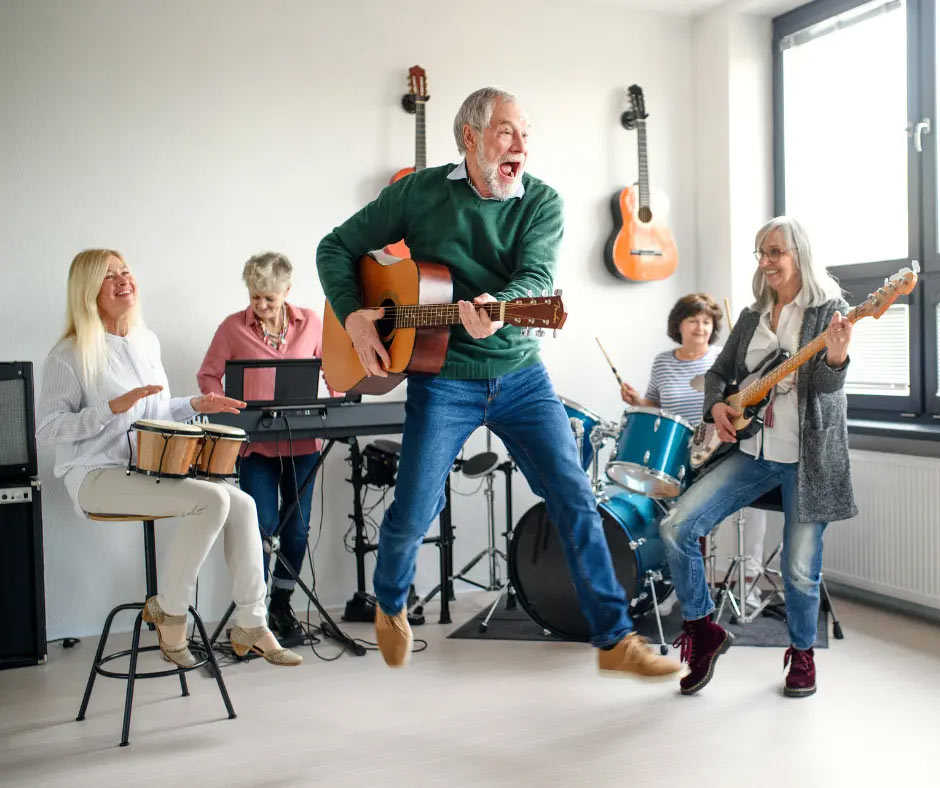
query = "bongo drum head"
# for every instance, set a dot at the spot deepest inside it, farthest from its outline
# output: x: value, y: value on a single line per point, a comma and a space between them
x: 224, y: 431
x: 168, y: 427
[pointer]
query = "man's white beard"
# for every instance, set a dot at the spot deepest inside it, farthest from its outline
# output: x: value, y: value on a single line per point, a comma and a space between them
x: 490, y: 172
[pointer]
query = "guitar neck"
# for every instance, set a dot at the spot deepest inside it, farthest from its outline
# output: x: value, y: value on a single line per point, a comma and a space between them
x: 431, y: 315
x: 756, y: 391
x: 644, y: 176
x: 421, y: 159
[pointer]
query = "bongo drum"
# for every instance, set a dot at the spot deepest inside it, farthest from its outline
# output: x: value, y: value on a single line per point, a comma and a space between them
x: 221, y: 446
x: 165, y: 449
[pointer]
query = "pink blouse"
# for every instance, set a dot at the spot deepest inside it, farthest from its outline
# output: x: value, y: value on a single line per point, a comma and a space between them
x: 239, y: 336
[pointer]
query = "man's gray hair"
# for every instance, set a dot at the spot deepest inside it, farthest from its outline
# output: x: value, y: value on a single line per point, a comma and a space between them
x: 267, y: 272
x: 477, y: 112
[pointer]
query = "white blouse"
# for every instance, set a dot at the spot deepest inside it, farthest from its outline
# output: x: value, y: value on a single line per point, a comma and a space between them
x: 77, y: 419
x: 781, y: 442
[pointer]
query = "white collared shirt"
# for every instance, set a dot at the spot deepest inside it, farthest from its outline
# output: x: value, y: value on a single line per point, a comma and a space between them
x: 781, y: 442
x: 77, y: 419
x: 460, y: 173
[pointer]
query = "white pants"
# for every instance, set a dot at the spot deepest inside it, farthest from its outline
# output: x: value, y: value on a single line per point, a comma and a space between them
x: 755, y: 526
x: 206, y: 508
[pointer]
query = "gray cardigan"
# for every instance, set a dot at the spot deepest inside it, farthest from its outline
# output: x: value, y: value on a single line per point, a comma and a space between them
x: 825, y: 481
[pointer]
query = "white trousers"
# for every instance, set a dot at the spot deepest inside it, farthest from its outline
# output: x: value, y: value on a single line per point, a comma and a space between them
x: 755, y: 526
x: 206, y: 509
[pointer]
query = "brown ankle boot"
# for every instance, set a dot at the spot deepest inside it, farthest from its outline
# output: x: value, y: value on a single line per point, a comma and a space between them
x: 632, y: 657
x: 394, y: 637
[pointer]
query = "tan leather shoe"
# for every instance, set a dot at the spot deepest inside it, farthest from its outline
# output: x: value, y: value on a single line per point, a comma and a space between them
x: 245, y: 640
x: 394, y: 637
x: 178, y: 654
x: 632, y: 657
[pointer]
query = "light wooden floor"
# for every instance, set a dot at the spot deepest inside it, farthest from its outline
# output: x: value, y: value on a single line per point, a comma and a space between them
x: 476, y: 713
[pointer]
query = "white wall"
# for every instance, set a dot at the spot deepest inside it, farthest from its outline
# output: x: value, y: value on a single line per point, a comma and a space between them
x: 191, y: 135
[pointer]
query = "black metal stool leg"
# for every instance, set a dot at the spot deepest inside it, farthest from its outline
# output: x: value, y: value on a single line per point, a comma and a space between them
x: 131, y: 677
x: 183, y: 687
x: 97, y: 660
x: 210, y: 655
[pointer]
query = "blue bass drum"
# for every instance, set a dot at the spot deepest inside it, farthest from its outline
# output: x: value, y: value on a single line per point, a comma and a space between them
x: 539, y: 571
x: 589, y: 421
x: 652, y: 453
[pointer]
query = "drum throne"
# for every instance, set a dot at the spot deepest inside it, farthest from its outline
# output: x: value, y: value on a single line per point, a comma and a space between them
x: 101, y: 660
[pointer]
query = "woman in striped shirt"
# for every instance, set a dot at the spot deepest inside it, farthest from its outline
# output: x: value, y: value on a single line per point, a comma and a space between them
x: 694, y: 322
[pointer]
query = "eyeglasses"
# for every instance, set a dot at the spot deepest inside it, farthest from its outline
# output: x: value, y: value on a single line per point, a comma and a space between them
x: 773, y: 254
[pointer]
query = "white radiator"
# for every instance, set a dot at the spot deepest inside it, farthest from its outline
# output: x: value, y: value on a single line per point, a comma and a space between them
x: 893, y: 546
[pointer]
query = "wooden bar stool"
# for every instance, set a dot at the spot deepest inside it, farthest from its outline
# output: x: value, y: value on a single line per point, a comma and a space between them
x: 150, y: 564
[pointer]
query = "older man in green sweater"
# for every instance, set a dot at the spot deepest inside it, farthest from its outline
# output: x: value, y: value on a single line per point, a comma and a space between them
x: 497, y: 229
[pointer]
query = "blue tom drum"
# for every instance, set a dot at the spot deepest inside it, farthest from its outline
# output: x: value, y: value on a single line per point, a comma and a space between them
x: 589, y: 420
x: 652, y: 453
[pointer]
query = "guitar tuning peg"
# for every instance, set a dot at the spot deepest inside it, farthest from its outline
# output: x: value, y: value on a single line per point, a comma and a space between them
x: 555, y: 333
x: 544, y: 293
x: 524, y: 332
x: 539, y: 332
x: 528, y: 293
x: 557, y: 291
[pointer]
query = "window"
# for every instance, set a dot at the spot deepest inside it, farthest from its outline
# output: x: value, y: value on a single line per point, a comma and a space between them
x: 855, y: 159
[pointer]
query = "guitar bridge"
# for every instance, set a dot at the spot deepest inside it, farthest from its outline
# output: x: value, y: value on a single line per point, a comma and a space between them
x: 647, y: 252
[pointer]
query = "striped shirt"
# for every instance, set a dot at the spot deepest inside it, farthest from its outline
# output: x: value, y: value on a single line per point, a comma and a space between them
x: 77, y: 419
x: 670, y: 379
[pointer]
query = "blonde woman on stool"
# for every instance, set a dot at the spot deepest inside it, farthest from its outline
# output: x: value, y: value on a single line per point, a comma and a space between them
x: 104, y: 375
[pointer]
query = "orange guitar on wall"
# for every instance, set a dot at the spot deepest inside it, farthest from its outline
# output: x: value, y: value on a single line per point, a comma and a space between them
x: 413, y: 101
x: 415, y: 328
x: 641, y: 247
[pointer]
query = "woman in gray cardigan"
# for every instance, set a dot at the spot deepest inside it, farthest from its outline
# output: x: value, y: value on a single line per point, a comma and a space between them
x: 802, y: 448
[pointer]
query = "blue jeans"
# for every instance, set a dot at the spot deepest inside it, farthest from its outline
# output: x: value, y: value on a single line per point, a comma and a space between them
x: 523, y: 410
x: 736, y: 482
x: 263, y: 478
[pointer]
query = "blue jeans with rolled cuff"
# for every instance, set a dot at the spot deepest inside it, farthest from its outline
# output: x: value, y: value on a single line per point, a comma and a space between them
x: 735, y: 483
x: 522, y: 409
x: 273, y: 483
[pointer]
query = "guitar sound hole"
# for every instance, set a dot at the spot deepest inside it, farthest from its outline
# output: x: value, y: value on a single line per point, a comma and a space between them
x: 386, y: 325
x: 645, y: 214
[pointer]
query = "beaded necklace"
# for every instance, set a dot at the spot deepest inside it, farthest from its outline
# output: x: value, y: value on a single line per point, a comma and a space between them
x: 275, y: 340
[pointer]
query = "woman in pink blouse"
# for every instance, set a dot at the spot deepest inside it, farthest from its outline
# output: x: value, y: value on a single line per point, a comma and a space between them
x: 271, y: 328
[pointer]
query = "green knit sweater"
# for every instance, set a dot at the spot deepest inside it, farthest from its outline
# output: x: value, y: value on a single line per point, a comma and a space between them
x: 501, y: 247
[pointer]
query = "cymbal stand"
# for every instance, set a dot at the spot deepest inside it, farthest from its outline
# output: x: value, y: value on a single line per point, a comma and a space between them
x: 505, y: 587
x: 739, y: 565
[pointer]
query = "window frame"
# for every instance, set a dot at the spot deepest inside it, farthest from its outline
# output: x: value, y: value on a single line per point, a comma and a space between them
x: 922, y: 406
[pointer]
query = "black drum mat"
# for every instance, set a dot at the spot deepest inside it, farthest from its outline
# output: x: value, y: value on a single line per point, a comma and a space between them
x: 516, y: 625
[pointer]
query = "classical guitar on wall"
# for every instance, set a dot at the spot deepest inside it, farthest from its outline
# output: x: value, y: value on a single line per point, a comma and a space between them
x: 754, y: 392
x: 641, y: 247
x: 415, y: 102
x: 416, y: 326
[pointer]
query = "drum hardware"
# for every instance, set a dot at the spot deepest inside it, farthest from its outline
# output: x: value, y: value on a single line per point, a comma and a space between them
x: 771, y: 501
x: 539, y: 570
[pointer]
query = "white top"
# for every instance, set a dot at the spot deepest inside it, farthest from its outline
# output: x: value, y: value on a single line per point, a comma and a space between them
x: 671, y: 379
x: 781, y: 442
x: 78, y: 421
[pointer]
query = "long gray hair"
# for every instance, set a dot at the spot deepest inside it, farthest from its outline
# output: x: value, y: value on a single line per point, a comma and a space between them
x: 477, y: 112
x: 819, y: 284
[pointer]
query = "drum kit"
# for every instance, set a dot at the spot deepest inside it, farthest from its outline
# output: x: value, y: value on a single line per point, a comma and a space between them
x: 650, y: 465
x: 174, y: 450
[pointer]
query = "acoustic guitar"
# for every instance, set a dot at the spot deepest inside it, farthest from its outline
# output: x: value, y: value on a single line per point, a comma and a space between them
x: 641, y: 247
x: 416, y: 326
x: 754, y: 392
x: 414, y: 101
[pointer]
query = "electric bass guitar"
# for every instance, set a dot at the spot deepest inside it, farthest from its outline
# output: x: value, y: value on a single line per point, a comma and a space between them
x: 641, y: 246
x: 414, y: 101
x: 415, y: 328
x: 754, y: 392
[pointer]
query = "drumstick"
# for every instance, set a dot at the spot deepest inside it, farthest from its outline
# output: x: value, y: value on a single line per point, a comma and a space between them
x: 728, y: 313
x: 612, y: 367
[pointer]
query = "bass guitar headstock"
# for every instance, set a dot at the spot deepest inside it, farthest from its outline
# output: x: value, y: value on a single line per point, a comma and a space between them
x: 877, y: 303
